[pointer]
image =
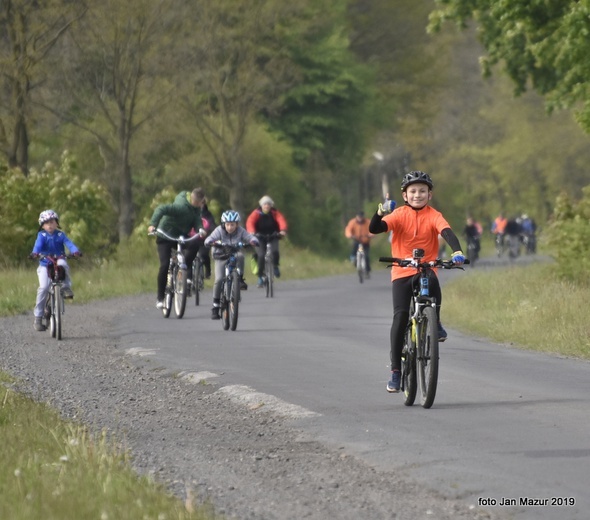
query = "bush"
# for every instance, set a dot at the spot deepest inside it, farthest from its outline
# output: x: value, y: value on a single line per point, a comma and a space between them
x: 83, y: 206
x: 569, y: 235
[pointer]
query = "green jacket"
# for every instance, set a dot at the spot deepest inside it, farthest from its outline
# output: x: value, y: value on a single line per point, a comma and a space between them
x: 177, y: 218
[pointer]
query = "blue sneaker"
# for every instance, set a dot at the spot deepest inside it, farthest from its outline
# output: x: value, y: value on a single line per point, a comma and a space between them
x: 394, y: 383
x: 260, y: 283
x: 442, y: 333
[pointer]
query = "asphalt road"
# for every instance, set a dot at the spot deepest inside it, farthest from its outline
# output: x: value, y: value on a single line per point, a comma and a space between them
x: 507, y: 425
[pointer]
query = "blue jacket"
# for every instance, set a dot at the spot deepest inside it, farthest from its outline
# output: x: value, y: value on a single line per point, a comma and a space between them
x: 47, y: 244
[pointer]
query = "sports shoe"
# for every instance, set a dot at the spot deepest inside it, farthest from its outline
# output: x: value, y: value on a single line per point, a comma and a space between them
x: 442, y: 333
x: 39, y: 324
x: 394, y: 383
x: 260, y: 283
x: 160, y: 304
x: 277, y: 271
x: 215, y: 313
x: 67, y: 293
x: 243, y: 285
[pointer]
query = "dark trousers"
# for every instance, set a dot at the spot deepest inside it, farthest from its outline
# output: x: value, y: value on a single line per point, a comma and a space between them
x: 261, y: 252
x: 402, y: 291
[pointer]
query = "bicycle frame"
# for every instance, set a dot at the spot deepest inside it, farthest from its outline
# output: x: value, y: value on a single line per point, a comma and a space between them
x: 54, y: 304
x: 230, y: 288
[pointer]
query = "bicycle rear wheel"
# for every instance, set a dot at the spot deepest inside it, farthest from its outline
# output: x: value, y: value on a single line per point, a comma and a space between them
x: 198, y: 279
x: 180, y: 291
x: 234, y: 300
x: 409, y: 383
x: 427, y: 356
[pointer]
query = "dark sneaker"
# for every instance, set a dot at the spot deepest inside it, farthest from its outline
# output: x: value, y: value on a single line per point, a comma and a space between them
x: 442, y: 333
x: 215, y: 313
x: 243, y: 285
x: 277, y: 271
x: 67, y: 293
x: 39, y: 325
x: 394, y: 383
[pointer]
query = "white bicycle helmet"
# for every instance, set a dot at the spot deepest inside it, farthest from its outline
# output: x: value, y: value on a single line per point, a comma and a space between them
x: 230, y: 216
x: 46, y: 215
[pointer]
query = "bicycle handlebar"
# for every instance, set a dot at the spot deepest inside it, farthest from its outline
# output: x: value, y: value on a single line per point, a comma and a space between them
x: 269, y: 236
x: 410, y: 262
x: 52, y: 258
x: 180, y: 239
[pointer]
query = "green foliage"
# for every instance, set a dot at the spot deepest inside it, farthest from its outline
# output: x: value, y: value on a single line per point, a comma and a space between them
x: 542, y: 43
x: 83, y: 206
x: 569, y: 236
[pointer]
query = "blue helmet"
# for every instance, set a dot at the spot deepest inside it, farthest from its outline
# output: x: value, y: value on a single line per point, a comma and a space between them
x: 230, y: 216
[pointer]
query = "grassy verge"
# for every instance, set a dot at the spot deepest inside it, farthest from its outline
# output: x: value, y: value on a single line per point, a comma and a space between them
x: 522, y: 305
x: 53, y: 469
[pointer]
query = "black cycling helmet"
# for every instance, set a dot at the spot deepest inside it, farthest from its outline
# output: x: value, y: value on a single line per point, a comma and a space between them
x: 415, y: 177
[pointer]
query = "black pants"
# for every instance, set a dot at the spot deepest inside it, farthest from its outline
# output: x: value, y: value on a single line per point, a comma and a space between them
x: 165, y: 248
x: 402, y: 291
x: 261, y: 252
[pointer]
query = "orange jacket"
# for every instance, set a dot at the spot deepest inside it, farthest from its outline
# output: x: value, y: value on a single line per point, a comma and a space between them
x: 499, y: 225
x: 358, y: 230
x: 414, y: 229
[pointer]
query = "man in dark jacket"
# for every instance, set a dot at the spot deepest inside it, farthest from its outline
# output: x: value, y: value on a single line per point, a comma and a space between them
x: 174, y: 219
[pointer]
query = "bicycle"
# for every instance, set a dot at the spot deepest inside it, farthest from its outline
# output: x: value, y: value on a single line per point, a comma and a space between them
x: 420, y: 354
x: 55, y: 304
x: 499, y: 244
x: 269, y: 275
x: 229, y: 298
x: 361, y: 263
x: 177, y: 278
x: 472, y: 250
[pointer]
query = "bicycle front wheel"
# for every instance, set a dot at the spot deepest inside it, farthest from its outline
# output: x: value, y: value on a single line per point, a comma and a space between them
x: 427, y: 356
x: 168, y: 294
x: 58, y: 308
x: 198, y: 279
x: 224, y: 303
x: 360, y: 267
x: 180, y: 291
x: 268, y: 282
x: 234, y: 300
x: 51, y: 303
x: 409, y: 382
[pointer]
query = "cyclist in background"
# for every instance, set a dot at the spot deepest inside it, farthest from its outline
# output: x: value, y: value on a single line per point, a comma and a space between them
x: 265, y: 220
x: 50, y: 241
x: 498, y: 229
x: 472, y: 233
x: 197, y: 247
x: 357, y: 230
x: 175, y: 219
x: 229, y: 232
x: 416, y: 225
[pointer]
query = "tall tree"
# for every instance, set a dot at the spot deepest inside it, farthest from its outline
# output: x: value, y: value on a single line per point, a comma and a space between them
x: 29, y: 29
x: 113, y: 82
x: 543, y: 44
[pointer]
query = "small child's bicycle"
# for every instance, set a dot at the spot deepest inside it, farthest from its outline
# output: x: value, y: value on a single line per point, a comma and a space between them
x: 54, y: 304
x: 420, y: 353
x: 229, y: 298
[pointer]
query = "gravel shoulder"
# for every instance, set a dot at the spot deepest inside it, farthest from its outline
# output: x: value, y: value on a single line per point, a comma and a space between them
x: 249, y: 463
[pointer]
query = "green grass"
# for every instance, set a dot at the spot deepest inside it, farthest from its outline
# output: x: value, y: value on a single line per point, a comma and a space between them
x: 53, y: 469
x: 522, y: 305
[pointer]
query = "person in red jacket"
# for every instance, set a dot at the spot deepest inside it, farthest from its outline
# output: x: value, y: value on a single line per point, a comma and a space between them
x: 266, y: 222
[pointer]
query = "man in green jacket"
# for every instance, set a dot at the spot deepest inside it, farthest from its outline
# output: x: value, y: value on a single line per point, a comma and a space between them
x: 175, y: 219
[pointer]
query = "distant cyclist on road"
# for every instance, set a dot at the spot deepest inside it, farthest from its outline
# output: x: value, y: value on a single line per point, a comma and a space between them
x: 415, y: 225
x: 472, y: 233
x: 498, y: 229
x: 357, y: 230
x: 265, y: 220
